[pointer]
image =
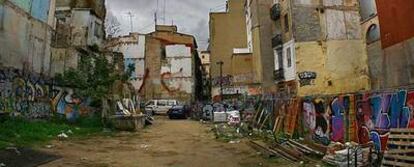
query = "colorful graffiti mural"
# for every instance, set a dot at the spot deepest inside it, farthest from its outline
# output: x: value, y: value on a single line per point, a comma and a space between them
x: 24, y: 93
x: 361, y: 117
x: 35, y: 96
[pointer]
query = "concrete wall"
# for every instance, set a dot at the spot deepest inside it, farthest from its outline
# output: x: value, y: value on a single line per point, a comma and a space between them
x: 227, y: 31
x: 330, y: 53
x: 261, y: 27
x: 390, y: 49
x: 350, y: 75
x: 34, y: 96
x: 24, y: 41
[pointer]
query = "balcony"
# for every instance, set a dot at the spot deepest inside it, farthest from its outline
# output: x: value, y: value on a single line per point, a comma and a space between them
x: 277, y: 40
x: 279, y: 75
x: 275, y: 12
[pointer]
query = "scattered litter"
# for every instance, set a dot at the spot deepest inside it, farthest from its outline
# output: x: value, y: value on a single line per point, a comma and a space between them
x: 145, y: 146
x: 234, y: 142
x: 2, y: 165
x: 84, y: 159
x: 49, y: 146
x: 69, y: 131
x: 62, y: 136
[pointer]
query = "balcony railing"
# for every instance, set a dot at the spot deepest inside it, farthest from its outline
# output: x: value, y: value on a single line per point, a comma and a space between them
x: 279, y: 75
x: 277, y: 40
x: 275, y: 12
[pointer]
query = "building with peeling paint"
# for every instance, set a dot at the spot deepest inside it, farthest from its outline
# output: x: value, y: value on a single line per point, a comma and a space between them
x: 166, y: 63
x: 132, y: 46
x: 388, y: 31
x: 318, y: 47
x: 79, y: 31
x: 26, y: 28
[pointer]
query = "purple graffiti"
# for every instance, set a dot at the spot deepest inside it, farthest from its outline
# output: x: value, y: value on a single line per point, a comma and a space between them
x: 337, y: 120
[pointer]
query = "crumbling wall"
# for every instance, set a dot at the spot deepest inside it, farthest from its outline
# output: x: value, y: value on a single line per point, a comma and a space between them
x: 25, y: 42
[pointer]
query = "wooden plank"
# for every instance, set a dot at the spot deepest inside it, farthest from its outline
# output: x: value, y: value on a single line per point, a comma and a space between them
x: 395, y: 151
x: 401, y: 143
x: 399, y: 157
x: 393, y: 163
x: 264, y: 121
x: 393, y: 136
x: 405, y: 130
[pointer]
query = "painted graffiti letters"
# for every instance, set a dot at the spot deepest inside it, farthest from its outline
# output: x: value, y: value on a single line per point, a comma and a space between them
x: 306, y: 78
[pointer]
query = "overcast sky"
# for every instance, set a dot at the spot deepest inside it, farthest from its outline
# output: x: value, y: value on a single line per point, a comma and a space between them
x: 191, y: 16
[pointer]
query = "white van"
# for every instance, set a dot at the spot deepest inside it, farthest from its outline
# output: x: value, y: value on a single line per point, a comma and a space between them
x: 159, y: 106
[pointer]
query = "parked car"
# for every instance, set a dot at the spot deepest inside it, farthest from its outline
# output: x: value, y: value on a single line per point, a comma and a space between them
x: 178, y: 112
x: 159, y: 106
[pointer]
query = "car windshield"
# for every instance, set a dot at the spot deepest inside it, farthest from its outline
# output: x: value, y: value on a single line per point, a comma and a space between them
x: 178, y: 107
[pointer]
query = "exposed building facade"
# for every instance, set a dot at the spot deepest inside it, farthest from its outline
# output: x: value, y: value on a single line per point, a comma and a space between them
x: 79, y: 31
x: 318, y: 47
x: 26, y: 29
x: 259, y: 42
x: 231, y: 62
x: 388, y: 31
x: 132, y: 47
x: 172, y: 66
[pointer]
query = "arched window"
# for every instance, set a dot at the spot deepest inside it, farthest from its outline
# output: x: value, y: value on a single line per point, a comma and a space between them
x: 373, y: 34
x: 367, y: 9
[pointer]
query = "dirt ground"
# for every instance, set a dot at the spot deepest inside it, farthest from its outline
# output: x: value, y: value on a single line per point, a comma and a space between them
x: 175, y: 143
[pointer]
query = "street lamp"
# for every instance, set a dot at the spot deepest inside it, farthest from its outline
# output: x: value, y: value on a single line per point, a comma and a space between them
x: 220, y: 63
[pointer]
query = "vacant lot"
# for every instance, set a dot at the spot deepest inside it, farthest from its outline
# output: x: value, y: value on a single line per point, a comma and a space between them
x: 166, y: 143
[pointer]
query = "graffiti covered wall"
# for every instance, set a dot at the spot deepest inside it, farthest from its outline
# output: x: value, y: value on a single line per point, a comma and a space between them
x: 361, y: 117
x: 35, y: 96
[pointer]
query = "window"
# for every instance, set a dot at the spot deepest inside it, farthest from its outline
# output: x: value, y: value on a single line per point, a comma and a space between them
x: 98, y: 30
x: 289, y: 57
x: 162, y: 103
x: 151, y: 103
x: 286, y: 21
x: 171, y: 103
x: 373, y: 34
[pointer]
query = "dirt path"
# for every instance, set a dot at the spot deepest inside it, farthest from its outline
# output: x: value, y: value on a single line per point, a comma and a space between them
x: 177, y: 143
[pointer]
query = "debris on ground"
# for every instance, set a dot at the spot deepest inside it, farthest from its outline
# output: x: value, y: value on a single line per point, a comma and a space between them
x: 234, y: 141
x: 62, y: 136
x: 145, y: 146
x: 343, y: 155
x: 49, y: 146
x: 2, y: 165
